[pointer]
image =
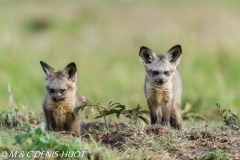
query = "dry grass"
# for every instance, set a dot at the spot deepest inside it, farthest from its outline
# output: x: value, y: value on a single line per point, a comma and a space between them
x: 196, y: 140
x: 152, y: 142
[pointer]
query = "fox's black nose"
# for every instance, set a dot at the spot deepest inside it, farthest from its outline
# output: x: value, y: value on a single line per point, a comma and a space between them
x: 55, y: 99
x: 160, y: 81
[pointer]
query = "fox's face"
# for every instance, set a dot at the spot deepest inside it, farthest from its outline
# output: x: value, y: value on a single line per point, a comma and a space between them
x: 60, y: 85
x: 160, y: 68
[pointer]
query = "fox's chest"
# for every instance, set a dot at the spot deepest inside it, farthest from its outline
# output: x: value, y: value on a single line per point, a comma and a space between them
x: 159, y: 96
x: 64, y: 108
x: 61, y: 112
x: 61, y: 108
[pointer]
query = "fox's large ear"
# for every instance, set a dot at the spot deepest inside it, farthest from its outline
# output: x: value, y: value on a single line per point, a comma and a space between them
x: 70, y: 72
x: 146, y: 56
x: 48, y: 70
x: 174, y: 54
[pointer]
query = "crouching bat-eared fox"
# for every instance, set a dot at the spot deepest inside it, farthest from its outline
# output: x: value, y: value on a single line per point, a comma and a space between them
x: 61, y: 99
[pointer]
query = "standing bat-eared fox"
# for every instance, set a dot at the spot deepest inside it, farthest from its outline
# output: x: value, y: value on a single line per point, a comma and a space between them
x: 163, y: 85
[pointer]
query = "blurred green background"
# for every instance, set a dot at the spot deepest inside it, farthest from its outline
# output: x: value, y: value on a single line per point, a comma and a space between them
x: 103, y: 38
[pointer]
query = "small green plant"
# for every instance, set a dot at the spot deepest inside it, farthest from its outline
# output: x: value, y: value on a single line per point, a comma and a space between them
x: 40, y: 140
x: 113, y: 108
x: 189, y: 115
x: 216, y: 155
x: 134, y: 114
x: 229, y: 117
x: 9, y: 119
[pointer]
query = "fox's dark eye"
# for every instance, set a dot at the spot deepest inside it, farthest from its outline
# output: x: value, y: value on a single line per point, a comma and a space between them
x: 166, y: 73
x: 51, y: 90
x: 155, y: 72
x: 62, y: 91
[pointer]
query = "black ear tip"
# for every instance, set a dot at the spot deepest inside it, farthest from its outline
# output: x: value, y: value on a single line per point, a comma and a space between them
x: 43, y: 63
x: 178, y: 46
x: 143, y: 48
x: 72, y: 64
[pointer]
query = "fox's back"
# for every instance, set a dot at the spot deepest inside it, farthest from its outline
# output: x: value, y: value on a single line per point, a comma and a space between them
x: 177, y: 86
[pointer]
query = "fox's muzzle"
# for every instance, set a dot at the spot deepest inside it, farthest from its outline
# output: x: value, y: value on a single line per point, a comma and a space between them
x: 57, y: 99
x: 159, y: 81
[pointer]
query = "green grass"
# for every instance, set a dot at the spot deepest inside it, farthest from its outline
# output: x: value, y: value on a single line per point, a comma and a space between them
x: 103, y: 39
